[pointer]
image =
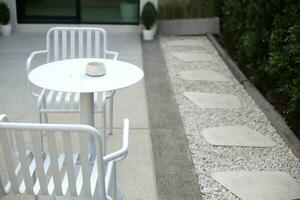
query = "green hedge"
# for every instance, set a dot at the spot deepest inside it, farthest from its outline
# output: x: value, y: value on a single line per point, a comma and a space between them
x: 185, y: 9
x: 266, y: 40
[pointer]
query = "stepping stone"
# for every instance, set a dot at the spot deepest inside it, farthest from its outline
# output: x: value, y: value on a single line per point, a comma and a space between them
x: 261, y: 185
x: 193, y: 57
x: 236, y: 136
x: 202, y: 75
x: 211, y: 100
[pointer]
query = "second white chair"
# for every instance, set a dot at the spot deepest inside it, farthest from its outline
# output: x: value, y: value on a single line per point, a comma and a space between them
x: 66, y: 43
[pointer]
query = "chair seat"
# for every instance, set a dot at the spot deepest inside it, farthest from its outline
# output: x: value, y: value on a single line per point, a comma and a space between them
x: 68, y: 101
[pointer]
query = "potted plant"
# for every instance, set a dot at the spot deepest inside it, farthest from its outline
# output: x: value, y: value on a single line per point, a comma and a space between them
x: 4, y: 19
x: 149, y: 18
x: 129, y: 10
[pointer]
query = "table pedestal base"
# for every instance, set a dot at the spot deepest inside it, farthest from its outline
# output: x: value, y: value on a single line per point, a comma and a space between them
x: 87, y: 116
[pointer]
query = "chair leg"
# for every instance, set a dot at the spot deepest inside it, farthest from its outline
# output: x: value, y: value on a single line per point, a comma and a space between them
x: 43, y: 118
x: 41, y: 133
x: 40, y: 117
x: 104, y: 124
x: 114, y: 177
x: 45, y: 115
x: 111, y: 111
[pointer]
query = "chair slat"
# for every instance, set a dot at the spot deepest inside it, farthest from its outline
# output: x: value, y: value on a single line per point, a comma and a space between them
x: 51, y: 188
x: 64, y: 44
x: 67, y: 140
x: 7, y: 152
x: 75, y: 104
x: 49, y: 98
x: 72, y: 44
x: 80, y: 44
x: 47, y: 164
x: 65, y: 183
x: 54, y: 165
x: 68, y: 99
x: 88, y: 43
x: 79, y: 181
x: 58, y: 100
x: 97, y: 44
x: 94, y: 177
x: 24, y: 162
x: 40, y: 170
x: 56, y: 45
x: 84, y: 156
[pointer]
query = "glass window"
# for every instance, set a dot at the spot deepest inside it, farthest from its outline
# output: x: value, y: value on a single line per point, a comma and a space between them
x: 50, y: 8
x: 113, y: 11
x: 79, y: 11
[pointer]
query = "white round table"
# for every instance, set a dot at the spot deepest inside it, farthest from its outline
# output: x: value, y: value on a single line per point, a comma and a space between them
x: 69, y: 76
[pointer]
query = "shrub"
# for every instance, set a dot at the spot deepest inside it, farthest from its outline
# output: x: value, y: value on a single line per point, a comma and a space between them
x: 198, y: 8
x: 131, y: 1
x: 4, y: 14
x: 284, y: 54
x: 171, y: 9
x: 265, y: 36
x: 184, y: 9
x: 149, y: 15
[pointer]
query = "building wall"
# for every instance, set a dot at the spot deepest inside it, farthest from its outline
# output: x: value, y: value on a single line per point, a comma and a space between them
x: 35, y: 27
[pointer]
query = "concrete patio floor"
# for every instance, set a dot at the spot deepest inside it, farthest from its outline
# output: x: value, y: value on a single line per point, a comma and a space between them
x: 135, y: 173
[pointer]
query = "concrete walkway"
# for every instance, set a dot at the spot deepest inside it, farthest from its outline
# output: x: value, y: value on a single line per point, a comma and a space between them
x: 136, y: 173
x: 174, y: 170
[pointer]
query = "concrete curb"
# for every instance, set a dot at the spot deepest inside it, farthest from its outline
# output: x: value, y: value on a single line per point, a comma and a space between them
x: 272, y: 114
x: 176, y: 177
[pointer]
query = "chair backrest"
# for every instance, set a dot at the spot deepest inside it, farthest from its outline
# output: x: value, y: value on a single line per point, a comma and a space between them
x: 60, y: 170
x: 76, y: 42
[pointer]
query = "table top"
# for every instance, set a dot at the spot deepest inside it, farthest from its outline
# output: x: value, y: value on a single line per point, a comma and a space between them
x: 69, y: 75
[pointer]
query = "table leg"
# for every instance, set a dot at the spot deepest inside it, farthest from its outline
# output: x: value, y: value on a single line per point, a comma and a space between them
x: 87, y: 116
x: 111, y: 112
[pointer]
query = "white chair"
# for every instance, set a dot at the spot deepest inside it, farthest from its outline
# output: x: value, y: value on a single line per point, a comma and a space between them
x: 61, y: 172
x: 67, y: 43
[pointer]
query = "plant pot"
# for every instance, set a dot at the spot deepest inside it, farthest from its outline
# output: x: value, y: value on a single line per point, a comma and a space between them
x: 6, y: 30
x: 149, y: 34
x: 189, y: 26
x: 129, y: 11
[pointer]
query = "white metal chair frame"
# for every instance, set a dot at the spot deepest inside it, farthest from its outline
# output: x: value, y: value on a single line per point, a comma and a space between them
x: 69, y: 102
x: 55, y: 174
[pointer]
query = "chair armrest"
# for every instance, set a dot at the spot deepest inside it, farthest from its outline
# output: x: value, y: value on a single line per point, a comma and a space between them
x: 122, y: 153
x: 31, y: 56
x: 113, y: 53
x: 29, y: 68
x: 4, y: 118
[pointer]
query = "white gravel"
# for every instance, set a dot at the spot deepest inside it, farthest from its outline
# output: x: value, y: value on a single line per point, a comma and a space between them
x: 208, y: 158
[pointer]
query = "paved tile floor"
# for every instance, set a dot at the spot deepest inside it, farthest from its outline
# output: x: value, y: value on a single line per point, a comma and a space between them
x: 135, y: 174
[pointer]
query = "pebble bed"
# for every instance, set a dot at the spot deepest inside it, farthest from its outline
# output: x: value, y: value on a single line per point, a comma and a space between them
x: 208, y: 158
